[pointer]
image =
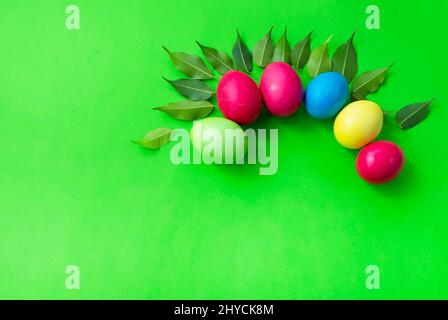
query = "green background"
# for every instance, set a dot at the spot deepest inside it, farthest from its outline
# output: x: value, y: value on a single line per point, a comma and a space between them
x: 74, y: 190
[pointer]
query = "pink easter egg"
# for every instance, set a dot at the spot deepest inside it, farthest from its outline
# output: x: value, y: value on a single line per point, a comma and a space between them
x: 281, y: 89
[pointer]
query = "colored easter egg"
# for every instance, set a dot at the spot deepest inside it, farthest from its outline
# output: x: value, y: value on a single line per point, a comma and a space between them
x: 326, y: 95
x: 218, y: 140
x: 239, y: 98
x: 281, y: 89
x: 380, y: 162
x: 358, y: 124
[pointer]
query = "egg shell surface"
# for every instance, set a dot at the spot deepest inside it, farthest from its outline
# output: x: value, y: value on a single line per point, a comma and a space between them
x: 225, y: 137
x: 380, y: 162
x: 238, y: 97
x: 358, y: 124
x: 326, y: 95
x: 281, y: 89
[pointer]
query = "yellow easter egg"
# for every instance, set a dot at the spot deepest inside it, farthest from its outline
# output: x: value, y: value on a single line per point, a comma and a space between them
x: 358, y: 124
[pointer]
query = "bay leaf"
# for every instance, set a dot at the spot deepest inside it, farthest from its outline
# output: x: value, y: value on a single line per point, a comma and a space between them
x: 412, y: 114
x: 155, y: 138
x: 264, y: 49
x: 187, y: 110
x: 242, y: 55
x: 220, y: 61
x: 345, y: 60
x: 282, y: 51
x: 192, y: 89
x: 190, y: 65
x: 319, y: 60
x: 300, y: 53
x: 368, y: 82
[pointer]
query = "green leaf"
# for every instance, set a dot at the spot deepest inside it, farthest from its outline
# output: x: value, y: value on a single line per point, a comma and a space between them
x: 187, y: 110
x: 413, y: 114
x: 191, y: 88
x: 319, y: 60
x: 301, y: 52
x: 345, y: 60
x: 155, y: 138
x: 190, y: 65
x: 282, y: 51
x: 368, y: 82
x: 264, y: 50
x: 241, y: 55
x: 220, y: 61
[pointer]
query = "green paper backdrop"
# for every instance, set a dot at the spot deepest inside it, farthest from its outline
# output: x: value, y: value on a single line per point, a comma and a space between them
x: 74, y: 190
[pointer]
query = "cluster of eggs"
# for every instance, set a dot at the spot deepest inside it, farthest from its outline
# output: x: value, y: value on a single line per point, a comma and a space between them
x: 356, y: 125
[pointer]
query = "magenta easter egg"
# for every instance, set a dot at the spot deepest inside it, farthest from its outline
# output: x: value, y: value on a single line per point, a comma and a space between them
x: 380, y: 162
x: 281, y: 89
x: 239, y: 98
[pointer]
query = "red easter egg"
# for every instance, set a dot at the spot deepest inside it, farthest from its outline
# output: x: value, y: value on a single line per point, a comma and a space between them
x: 239, y: 98
x: 380, y: 162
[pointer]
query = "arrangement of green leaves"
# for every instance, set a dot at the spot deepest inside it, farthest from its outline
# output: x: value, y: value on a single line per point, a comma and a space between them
x: 198, y: 93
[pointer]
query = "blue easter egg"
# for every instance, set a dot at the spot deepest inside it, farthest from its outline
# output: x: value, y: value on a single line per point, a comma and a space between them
x: 326, y: 95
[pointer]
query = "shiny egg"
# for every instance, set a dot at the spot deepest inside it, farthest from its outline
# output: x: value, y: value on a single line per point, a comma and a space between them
x: 281, y: 89
x: 326, y: 95
x: 380, y: 162
x: 238, y: 97
x: 358, y: 124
